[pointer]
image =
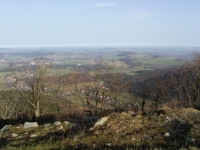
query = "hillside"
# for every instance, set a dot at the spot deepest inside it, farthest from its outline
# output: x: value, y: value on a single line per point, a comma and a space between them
x: 165, y: 128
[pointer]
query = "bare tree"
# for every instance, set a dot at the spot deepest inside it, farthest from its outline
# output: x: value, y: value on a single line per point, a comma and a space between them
x: 194, y: 77
x: 99, y: 74
x: 9, y: 104
x: 177, y: 80
x: 36, y: 87
x: 92, y: 93
x: 117, y: 86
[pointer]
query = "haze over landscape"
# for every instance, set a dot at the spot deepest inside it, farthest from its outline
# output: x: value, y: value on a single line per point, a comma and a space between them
x: 99, y: 23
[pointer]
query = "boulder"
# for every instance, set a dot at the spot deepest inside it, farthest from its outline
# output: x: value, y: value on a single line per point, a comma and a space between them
x: 47, y: 125
x: 107, y: 144
x: 33, y: 135
x: 58, y: 128
x: 66, y: 123
x: 56, y: 123
x: 101, y: 121
x: 13, y: 135
x: 167, y: 134
x: 168, y: 119
x: 30, y: 125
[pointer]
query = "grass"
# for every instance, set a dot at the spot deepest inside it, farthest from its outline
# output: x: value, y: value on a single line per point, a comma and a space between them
x: 109, y: 58
x: 164, y: 61
x: 3, y: 74
x: 126, y: 130
x: 60, y: 71
x: 125, y: 71
x: 75, y: 62
x: 40, y: 144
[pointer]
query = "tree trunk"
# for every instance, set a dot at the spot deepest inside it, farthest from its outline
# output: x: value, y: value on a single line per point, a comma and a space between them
x: 143, y: 101
x: 180, y: 99
x: 37, y: 110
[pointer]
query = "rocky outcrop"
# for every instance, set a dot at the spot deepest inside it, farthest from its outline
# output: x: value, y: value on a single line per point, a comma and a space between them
x: 173, y: 127
x: 101, y: 121
x: 32, y: 130
x: 56, y: 123
x: 30, y: 125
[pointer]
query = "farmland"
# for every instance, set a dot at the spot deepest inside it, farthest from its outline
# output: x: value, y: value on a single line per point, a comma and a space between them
x: 128, y: 60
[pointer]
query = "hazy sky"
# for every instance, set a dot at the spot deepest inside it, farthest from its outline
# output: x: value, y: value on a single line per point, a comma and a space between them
x: 99, y: 23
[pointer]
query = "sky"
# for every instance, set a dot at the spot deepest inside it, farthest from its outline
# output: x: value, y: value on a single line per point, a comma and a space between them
x: 40, y: 23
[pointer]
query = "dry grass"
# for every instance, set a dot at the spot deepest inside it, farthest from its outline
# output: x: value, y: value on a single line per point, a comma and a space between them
x: 124, y: 130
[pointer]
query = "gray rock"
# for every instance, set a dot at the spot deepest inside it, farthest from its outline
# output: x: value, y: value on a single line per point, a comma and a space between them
x: 66, y: 123
x: 20, y: 126
x: 107, y: 144
x: 101, y: 121
x: 13, y: 135
x: 91, y: 129
x: 47, y: 125
x: 33, y: 135
x: 30, y: 125
x: 23, y: 133
x: 168, y: 119
x: 56, y: 123
x: 167, y: 134
x: 58, y: 128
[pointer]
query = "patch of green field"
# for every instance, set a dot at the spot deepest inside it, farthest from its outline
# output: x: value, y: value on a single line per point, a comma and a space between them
x: 138, y: 68
x: 163, y: 61
x: 60, y: 71
x: 75, y: 62
x: 3, y: 74
x: 10, y: 57
x: 144, y: 60
x: 125, y: 71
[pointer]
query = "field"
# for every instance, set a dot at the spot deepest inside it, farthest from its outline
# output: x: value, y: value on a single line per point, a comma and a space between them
x: 126, y: 60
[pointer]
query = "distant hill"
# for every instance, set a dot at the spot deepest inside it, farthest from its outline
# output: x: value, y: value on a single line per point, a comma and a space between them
x: 126, y: 53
